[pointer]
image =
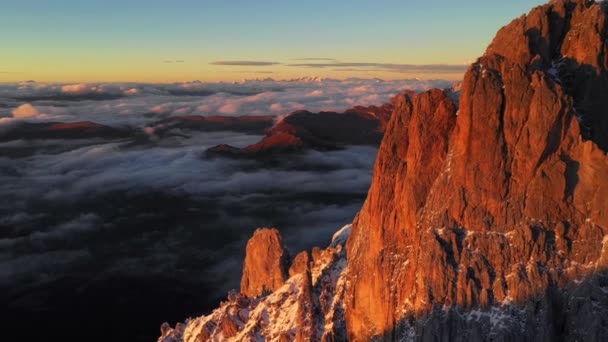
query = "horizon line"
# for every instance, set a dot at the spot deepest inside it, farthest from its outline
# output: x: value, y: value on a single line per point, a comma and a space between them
x: 238, y: 81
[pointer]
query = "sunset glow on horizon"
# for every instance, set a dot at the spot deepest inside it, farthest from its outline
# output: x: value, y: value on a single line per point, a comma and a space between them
x: 163, y: 41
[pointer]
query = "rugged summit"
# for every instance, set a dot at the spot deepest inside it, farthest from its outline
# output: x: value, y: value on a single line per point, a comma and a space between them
x: 303, y: 130
x: 499, y: 207
x: 487, y: 217
x: 266, y: 263
x: 307, y: 307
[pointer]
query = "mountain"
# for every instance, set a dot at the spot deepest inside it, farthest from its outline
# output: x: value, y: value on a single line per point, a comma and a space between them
x: 61, y: 130
x: 487, y: 217
x: 312, y: 79
x: 88, y: 129
x: 308, y: 306
x: 303, y: 130
x: 266, y: 263
x: 254, y: 124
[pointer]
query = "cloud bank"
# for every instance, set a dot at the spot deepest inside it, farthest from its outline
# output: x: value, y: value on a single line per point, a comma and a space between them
x: 314, y: 59
x: 141, y: 104
x: 331, y: 63
x: 134, y: 221
x: 402, y: 68
x: 25, y: 111
x: 245, y: 63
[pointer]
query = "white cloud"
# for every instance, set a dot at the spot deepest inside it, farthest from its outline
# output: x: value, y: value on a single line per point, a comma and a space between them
x: 84, y: 192
x: 317, y: 92
x: 142, y: 104
x: 81, y: 88
x: 25, y: 111
x: 132, y: 91
x: 277, y: 107
x: 229, y: 108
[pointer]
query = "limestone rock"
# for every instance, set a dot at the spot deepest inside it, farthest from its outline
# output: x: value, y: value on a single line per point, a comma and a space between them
x: 266, y: 263
x: 301, y: 264
x: 487, y: 216
x: 503, y: 203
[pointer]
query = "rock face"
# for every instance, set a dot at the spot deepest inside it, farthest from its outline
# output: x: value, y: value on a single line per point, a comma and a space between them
x: 307, y: 307
x: 409, y: 160
x: 503, y: 203
x: 301, y: 264
x: 487, y: 217
x: 567, y: 39
x: 266, y: 263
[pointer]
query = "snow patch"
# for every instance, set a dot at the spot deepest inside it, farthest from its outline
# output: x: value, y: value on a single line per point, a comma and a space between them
x: 283, y: 313
x: 341, y: 236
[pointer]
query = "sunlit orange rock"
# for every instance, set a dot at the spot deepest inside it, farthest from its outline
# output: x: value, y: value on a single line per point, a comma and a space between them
x: 501, y: 204
x: 300, y: 264
x: 303, y: 130
x: 487, y: 216
x: 266, y: 263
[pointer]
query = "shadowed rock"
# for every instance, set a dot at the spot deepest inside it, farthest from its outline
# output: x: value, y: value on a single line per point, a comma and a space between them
x: 62, y: 130
x: 246, y: 124
x: 302, y: 130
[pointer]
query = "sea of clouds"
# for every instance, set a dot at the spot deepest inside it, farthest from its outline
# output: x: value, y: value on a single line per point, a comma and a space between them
x: 88, y: 210
x: 139, y: 104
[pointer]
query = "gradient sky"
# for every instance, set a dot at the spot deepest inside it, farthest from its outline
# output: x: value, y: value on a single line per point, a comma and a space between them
x: 178, y: 40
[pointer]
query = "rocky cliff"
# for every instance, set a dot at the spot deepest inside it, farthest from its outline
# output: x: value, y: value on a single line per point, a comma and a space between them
x: 306, y: 307
x: 487, y: 217
x: 266, y: 263
x: 498, y: 204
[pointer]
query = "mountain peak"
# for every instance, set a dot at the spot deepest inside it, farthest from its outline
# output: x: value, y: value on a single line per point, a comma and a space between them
x: 508, y: 207
x: 565, y: 39
x: 486, y: 217
x: 266, y: 263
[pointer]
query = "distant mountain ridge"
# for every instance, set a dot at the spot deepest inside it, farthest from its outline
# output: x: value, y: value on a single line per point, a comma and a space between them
x: 303, y: 130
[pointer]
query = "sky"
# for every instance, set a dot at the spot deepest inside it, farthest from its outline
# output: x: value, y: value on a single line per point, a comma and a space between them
x: 227, y: 40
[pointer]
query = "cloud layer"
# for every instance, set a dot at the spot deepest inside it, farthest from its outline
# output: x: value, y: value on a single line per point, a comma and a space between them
x: 314, y: 59
x: 402, y: 68
x: 107, y: 215
x: 244, y: 63
x: 165, y: 210
x: 141, y: 104
x: 333, y: 64
x: 25, y: 111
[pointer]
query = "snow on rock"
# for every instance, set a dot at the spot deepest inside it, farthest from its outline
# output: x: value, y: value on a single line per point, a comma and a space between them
x: 267, y: 318
x: 308, y: 307
x: 341, y: 236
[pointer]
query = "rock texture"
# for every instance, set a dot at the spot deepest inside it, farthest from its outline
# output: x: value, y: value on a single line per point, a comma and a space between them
x: 504, y: 203
x: 301, y: 264
x: 487, y: 217
x: 266, y: 263
x: 306, y: 308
